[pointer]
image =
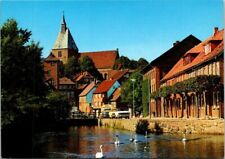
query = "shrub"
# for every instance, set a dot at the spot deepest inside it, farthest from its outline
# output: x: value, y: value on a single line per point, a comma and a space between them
x: 142, y: 126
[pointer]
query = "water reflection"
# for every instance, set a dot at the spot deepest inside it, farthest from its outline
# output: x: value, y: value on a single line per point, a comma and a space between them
x: 84, y: 142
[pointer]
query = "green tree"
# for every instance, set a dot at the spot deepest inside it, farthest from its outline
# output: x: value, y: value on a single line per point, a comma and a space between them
x: 124, y: 62
x: 145, y: 97
x: 22, y: 73
x: 130, y: 87
x: 72, y: 67
x: 142, y: 63
x: 86, y: 64
x: 56, y: 106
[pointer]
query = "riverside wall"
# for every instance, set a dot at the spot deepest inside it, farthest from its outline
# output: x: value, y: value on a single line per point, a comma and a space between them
x: 163, y: 125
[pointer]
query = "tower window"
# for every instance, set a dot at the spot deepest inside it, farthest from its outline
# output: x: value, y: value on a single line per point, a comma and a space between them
x: 59, y: 53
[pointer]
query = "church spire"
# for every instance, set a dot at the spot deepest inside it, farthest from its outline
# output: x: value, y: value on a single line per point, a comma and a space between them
x: 63, y: 24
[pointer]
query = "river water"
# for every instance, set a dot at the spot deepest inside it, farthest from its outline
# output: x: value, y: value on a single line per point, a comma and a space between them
x: 83, y: 142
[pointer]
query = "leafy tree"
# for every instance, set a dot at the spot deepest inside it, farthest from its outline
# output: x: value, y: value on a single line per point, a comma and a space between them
x: 71, y: 67
x: 127, y: 91
x: 145, y: 97
x: 133, y: 65
x: 56, y: 106
x: 86, y: 64
x: 22, y: 73
x: 122, y: 63
x: 142, y: 63
x: 125, y: 63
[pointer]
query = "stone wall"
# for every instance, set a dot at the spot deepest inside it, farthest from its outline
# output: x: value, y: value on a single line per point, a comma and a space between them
x: 194, y: 126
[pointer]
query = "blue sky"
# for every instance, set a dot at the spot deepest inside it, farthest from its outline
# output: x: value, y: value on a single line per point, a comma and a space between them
x: 145, y: 28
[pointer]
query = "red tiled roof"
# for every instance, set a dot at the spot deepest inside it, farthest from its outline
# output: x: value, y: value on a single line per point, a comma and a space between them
x: 201, y: 57
x: 87, y: 89
x: 104, y: 86
x: 119, y: 74
x: 79, y: 76
x: 102, y: 59
x: 111, y: 73
x: 51, y: 57
x: 65, y: 80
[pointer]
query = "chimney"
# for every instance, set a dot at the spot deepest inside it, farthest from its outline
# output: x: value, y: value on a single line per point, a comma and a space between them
x: 215, y: 30
x: 176, y: 43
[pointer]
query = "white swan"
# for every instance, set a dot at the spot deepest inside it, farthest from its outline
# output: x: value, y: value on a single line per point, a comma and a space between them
x: 146, y: 134
x: 135, y: 140
x: 184, y: 138
x: 117, y: 142
x: 131, y: 138
x: 99, y: 154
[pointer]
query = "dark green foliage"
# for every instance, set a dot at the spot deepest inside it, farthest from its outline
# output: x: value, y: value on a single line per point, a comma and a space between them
x: 22, y: 86
x: 142, y: 63
x: 75, y: 66
x: 127, y: 91
x: 195, y: 84
x: 86, y: 64
x: 21, y: 62
x: 71, y: 67
x: 124, y: 62
x: 145, y: 97
x: 142, y: 126
x: 57, y: 106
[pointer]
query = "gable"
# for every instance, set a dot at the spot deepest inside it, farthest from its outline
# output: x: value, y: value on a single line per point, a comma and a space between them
x: 179, y: 67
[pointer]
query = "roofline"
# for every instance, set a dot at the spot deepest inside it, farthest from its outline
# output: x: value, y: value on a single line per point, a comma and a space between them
x: 87, y: 92
x: 164, y: 54
x: 147, y: 68
x: 100, y: 51
x: 193, y: 67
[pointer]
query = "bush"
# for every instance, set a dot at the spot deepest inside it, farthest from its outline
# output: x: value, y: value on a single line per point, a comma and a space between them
x: 142, y: 126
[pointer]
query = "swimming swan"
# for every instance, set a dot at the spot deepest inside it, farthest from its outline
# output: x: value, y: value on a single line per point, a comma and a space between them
x: 99, y: 154
x: 131, y: 138
x: 135, y: 140
x: 117, y: 142
x: 184, y: 138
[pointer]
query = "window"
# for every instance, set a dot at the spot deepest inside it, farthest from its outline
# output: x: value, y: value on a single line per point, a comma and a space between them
x: 52, y: 63
x: 213, y: 68
x: 207, y: 49
x: 59, y: 53
x: 105, y: 76
x: 218, y: 68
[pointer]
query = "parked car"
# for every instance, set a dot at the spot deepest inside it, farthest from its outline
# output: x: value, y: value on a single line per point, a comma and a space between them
x: 105, y: 114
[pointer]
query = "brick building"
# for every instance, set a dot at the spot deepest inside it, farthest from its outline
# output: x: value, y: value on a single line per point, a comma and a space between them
x: 159, y: 67
x: 85, y: 98
x: 204, y: 61
x: 67, y: 87
x: 102, y: 94
x: 52, y: 70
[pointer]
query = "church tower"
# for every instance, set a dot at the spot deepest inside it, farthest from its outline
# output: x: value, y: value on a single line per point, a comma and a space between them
x: 64, y: 46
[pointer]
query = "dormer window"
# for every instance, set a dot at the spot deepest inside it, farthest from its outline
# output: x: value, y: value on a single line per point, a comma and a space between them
x: 207, y: 48
x: 211, y: 45
x: 189, y: 58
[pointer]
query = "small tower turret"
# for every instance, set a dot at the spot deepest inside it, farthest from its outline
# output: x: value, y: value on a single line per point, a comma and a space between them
x: 63, y: 24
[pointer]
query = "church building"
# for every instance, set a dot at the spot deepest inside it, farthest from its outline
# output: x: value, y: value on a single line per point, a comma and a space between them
x: 65, y: 47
